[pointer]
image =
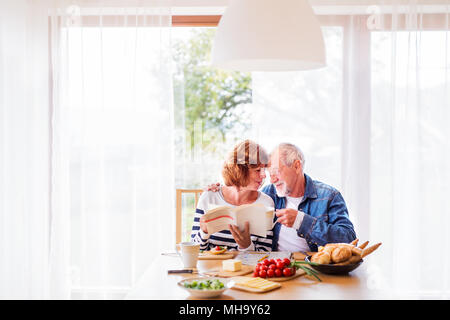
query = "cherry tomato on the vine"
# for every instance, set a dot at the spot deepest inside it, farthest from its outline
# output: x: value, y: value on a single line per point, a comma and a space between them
x: 287, y: 272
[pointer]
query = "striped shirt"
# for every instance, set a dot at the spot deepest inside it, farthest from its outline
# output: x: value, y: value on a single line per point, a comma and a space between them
x: 210, y: 199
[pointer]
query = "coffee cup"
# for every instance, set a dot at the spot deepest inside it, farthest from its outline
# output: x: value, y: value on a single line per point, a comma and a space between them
x: 188, y: 251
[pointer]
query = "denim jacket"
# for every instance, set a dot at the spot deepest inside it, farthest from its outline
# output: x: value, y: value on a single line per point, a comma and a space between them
x: 326, y: 217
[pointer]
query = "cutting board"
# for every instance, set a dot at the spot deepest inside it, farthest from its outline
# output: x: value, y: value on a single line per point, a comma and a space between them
x: 300, y: 256
x: 210, y: 256
x: 299, y: 273
x: 227, y: 274
x: 238, y: 286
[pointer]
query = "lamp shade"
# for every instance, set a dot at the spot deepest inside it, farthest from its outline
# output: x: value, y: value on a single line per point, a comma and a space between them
x: 268, y: 35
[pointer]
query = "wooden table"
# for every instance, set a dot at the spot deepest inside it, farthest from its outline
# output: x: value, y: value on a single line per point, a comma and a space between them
x: 156, y: 284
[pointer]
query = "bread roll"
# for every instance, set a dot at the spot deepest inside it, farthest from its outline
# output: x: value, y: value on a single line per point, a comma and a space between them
x: 340, y: 254
x: 339, y: 245
x: 329, y: 249
x: 322, y: 257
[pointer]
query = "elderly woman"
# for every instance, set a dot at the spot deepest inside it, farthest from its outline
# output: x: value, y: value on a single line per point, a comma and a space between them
x: 243, y: 173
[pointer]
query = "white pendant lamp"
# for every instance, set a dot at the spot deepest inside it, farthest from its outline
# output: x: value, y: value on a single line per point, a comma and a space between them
x: 268, y: 35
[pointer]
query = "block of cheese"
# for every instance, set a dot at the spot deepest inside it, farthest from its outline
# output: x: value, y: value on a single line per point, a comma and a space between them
x: 254, y: 284
x: 232, y: 265
x: 259, y: 283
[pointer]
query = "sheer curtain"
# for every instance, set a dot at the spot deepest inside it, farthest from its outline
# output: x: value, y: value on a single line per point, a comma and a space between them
x: 410, y: 166
x: 373, y: 123
x: 24, y: 150
x: 86, y: 162
x: 113, y: 194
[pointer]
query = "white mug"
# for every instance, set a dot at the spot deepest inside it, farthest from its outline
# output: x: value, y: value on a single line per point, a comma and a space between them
x: 189, y: 253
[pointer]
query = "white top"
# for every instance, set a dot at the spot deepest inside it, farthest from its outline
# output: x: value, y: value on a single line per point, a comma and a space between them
x: 288, y: 239
x: 209, y: 200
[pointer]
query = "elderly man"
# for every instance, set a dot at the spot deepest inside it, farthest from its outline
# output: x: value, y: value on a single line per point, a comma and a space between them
x: 310, y: 213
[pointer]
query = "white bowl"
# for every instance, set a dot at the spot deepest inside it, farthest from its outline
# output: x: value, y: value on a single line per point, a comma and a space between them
x: 205, y: 293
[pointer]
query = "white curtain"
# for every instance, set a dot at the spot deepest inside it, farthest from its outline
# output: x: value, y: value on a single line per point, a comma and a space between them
x: 113, y: 190
x: 374, y: 124
x: 24, y: 151
x: 86, y: 162
x: 409, y: 159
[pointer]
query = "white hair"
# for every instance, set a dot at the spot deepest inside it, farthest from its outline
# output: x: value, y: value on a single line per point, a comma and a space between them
x: 289, y: 153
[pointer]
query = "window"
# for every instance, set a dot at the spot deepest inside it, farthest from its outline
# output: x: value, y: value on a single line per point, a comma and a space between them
x: 260, y: 107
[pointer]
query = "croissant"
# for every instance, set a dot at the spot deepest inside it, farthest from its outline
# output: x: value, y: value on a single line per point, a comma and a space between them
x: 341, y: 254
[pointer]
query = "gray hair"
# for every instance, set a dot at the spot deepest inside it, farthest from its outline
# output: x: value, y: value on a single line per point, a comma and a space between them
x: 289, y: 153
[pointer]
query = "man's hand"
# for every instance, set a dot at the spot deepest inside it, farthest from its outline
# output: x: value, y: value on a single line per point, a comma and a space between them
x: 286, y: 217
x: 242, y: 238
x: 212, y: 187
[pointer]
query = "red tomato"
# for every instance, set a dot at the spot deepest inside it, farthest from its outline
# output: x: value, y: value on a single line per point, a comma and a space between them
x: 262, y: 273
x: 278, y: 272
x: 272, y: 261
x: 280, y: 265
x: 286, y: 261
x: 257, y: 268
x: 272, y: 267
x: 266, y: 262
x: 263, y: 267
x: 256, y: 273
x: 287, y: 272
x: 270, y: 273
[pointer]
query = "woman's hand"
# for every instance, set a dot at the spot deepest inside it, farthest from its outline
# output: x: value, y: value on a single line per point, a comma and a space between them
x: 242, y: 238
x: 203, y: 224
x: 212, y: 187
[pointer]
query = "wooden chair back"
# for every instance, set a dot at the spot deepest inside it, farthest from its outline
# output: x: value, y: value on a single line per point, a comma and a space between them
x: 179, y: 209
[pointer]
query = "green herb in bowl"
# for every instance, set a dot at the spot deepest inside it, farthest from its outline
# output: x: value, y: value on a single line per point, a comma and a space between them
x: 215, y: 284
x: 205, y: 287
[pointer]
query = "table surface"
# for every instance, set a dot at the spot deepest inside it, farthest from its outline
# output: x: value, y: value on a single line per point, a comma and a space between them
x: 157, y: 284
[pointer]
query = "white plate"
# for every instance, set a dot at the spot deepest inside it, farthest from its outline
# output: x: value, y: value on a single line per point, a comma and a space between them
x: 205, y: 293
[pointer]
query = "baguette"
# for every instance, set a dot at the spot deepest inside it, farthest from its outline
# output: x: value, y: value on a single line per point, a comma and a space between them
x: 357, y: 251
x: 370, y: 249
x: 352, y: 260
x: 364, y: 245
